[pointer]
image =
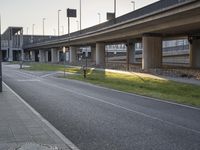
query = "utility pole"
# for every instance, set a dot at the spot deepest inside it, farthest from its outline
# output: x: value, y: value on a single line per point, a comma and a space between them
x: 0, y: 59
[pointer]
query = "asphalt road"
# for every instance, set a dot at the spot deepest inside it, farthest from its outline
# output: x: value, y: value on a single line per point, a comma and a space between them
x: 96, y: 118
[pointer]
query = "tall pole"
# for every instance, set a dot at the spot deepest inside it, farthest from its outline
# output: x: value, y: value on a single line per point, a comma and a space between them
x: 99, y: 17
x: 80, y: 14
x: 0, y: 59
x: 133, y: 2
x: 59, y: 22
x: 43, y: 25
x: 115, y: 8
x: 33, y: 26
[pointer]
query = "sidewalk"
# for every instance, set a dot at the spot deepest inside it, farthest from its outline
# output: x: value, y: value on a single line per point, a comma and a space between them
x: 21, y: 128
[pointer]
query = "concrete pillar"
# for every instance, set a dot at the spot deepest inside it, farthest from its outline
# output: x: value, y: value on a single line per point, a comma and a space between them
x: 58, y: 56
x: 33, y: 55
x: 42, y: 56
x: 130, y: 53
x: 93, y: 53
x: 54, y: 55
x: 72, y: 54
x: 100, y: 54
x: 152, y: 52
x: 46, y: 56
x: 195, y: 53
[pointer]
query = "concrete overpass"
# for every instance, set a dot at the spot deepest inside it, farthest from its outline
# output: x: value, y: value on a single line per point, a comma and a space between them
x: 151, y: 24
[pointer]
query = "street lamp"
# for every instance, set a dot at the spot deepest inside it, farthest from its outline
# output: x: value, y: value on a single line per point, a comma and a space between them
x: 33, y: 26
x: 43, y: 19
x: 115, y: 8
x: 99, y: 17
x: 133, y: 2
x: 59, y: 22
x: 80, y: 14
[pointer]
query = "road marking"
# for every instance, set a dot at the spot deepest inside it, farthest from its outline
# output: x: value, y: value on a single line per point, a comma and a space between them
x: 58, y: 133
x: 28, y: 80
x: 130, y: 110
x: 49, y: 74
x: 146, y: 97
x: 127, y: 109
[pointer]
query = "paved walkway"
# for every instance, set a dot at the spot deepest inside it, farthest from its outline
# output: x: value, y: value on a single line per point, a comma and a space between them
x: 21, y: 128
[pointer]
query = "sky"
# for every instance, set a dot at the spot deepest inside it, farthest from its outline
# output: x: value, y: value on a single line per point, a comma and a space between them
x: 25, y: 13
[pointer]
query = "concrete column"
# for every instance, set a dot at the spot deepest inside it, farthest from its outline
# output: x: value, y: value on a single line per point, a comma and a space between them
x: 152, y: 52
x: 33, y: 55
x: 46, y: 56
x: 130, y: 53
x: 58, y: 56
x: 42, y: 56
x: 10, y: 58
x: 72, y: 54
x: 195, y: 53
x: 54, y: 55
x: 93, y: 53
x: 100, y: 54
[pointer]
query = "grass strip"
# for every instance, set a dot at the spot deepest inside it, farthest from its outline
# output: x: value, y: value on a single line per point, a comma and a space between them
x: 163, y: 89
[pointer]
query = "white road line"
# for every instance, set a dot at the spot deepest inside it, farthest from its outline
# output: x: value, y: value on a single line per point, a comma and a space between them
x: 49, y: 74
x: 149, y: 98
x: 28, y: 80
x: 58, y: 133
x: 146, y: 97
x: 127, y: 109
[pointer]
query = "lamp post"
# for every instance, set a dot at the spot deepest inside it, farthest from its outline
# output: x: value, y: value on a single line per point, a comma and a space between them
x: 115, y: 8
x: 133, y: 2
x: 80, y: 14
x: 99, y: 17
x: 59, y: 22
x: 43, y: 19
x: 33, y: 26
x: 0, y: 59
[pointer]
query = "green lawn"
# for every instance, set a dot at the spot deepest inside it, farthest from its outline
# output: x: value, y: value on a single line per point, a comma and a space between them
x: 162, y: 89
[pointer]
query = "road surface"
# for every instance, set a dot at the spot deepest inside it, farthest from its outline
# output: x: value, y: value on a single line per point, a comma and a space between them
x: 96, y: 118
